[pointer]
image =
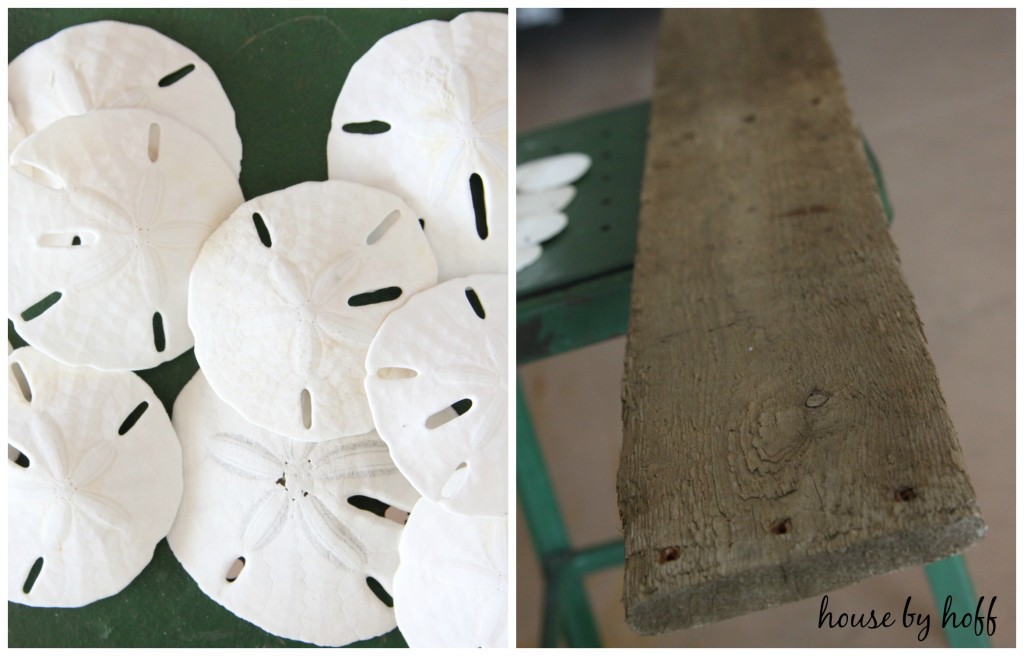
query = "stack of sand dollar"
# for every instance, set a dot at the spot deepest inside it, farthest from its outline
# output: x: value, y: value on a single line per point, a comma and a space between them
x: 340, y: 459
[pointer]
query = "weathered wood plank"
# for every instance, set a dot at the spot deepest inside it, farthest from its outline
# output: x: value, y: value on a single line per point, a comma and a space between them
x: 785, y: 433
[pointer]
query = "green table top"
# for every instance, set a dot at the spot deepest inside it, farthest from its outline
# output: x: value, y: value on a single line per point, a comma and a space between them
x: 282, y: 69
x: 601, y: 236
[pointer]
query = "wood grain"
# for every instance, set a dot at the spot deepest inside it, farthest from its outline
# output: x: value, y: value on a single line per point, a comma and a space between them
x: 785, y: 433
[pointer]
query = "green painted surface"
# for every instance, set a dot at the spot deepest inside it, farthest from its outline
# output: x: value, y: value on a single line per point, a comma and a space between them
x: 282, y: 70
x: 572, y: 317
x: 566, y: 607
x: 601, y: 235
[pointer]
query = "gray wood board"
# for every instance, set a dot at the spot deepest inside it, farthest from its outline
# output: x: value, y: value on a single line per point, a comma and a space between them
x: 784, y: 430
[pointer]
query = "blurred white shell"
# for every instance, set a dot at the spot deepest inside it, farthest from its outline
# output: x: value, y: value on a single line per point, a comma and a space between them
x: 527, y: 255
x: 551, y: 172
x: 539, y: 228
x: 544, y: 202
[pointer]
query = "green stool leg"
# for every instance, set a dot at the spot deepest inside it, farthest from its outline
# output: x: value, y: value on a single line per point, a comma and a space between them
x: 950, y: 580
x: 566, y: 605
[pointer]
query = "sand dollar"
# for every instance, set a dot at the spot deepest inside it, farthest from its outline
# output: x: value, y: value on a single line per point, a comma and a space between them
x: 107, y: 212
x: 451, y: 588
x: 93, y: 480
x: 424, y: 114
x: 437, y: 380
x: 286, y: 534
x: 287, y: 294
x: 108, y: 64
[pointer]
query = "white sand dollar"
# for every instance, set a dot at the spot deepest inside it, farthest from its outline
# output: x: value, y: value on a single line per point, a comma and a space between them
x: 451, y: 588
x: 424, y: 114
x: 107, y: 212
x: 551, y: 172
x: 93, y: 480
x: 292, y: 511
x: 544, y: 202
x: 287, y: 294
x: 15, y: 130
x: 443, y: 353
x: 527, y: 255
x: 108, y: 64
x: 539, y: 228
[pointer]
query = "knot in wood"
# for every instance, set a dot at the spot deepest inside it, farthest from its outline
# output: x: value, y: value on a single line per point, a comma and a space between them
x: 816, y: 399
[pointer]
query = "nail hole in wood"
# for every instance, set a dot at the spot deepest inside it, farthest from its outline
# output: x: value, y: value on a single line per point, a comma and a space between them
x: 782, y: 526
x: 668, y: 554
x: 906, y: 494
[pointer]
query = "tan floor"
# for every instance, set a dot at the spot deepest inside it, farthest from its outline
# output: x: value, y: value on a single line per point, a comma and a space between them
x: 934, y: 92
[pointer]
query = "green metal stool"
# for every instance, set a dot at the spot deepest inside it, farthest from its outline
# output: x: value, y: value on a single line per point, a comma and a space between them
x: 577, y: 294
